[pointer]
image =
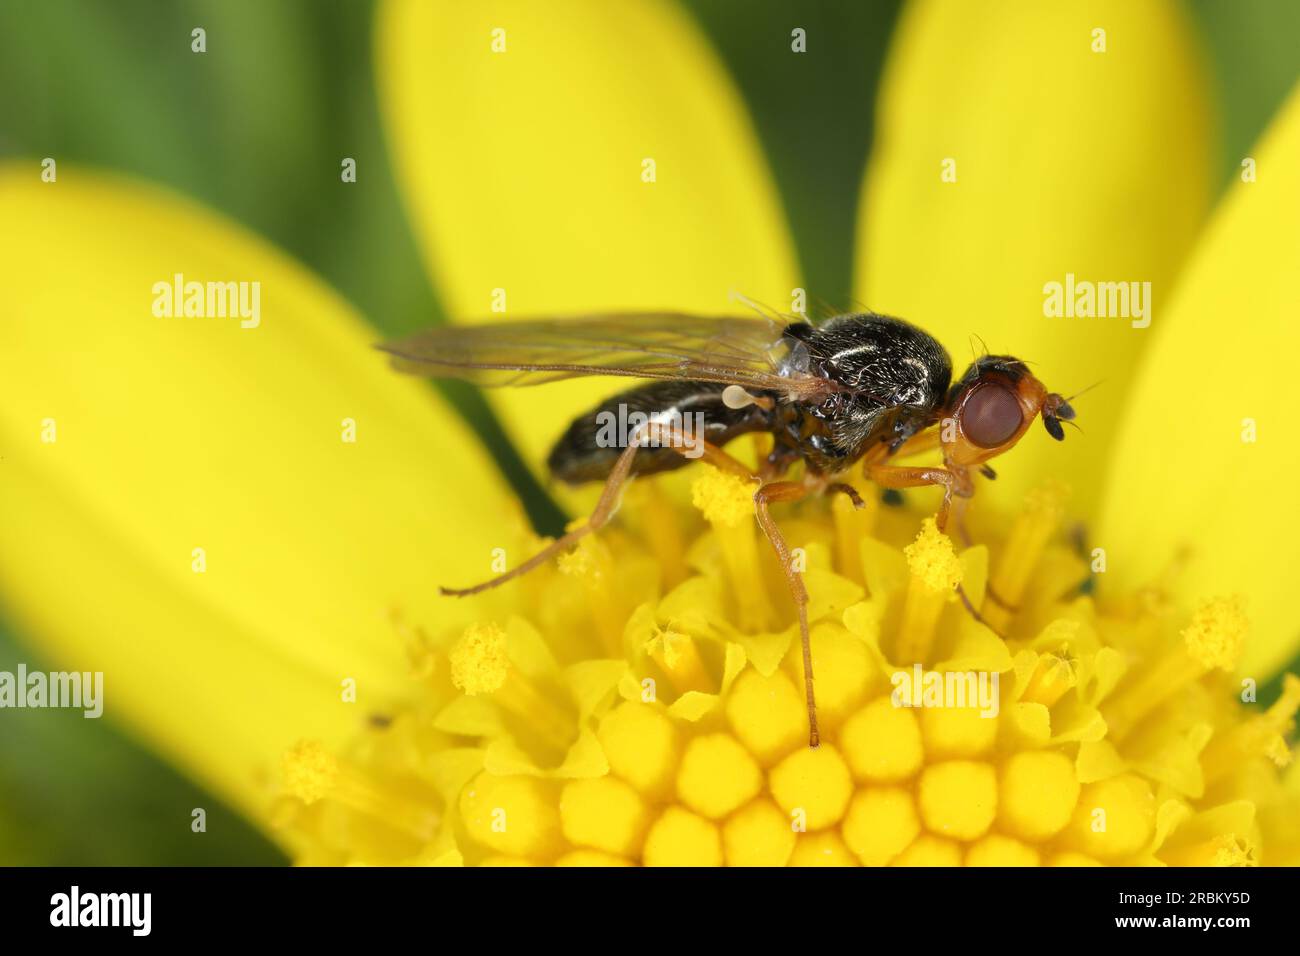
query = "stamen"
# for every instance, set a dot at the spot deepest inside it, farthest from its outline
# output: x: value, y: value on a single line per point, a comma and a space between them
x: 1213, y: 639
x: 727, y: 503
x: 935, y: 574
x: 591, y: 563
x: 1261, y: 736
x: 1029, y: 535
x: 480, y: 664
x: 311, y: 773
x: 1217, y: 633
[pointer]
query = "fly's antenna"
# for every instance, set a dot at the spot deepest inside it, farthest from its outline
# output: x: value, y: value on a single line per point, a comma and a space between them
x: 1085, y: 391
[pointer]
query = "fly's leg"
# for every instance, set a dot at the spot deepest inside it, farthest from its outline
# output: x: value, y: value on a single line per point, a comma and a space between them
x: 791, y: 491
x: 894, y: 476
x: 838, y: 487
x: 959, y: 519
x: 973, y: 612
x: 665, y: 436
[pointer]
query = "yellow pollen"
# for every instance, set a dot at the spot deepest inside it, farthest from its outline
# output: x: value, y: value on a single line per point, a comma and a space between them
x: 312, y: 774
x: 934, y: 573
x: 727, y: 502
x: 932, y: 559
x: 479, y: 663
x: 725, y: 499
x: 310, y: 771
x: 1213, y: 639
x: 1217, y: 633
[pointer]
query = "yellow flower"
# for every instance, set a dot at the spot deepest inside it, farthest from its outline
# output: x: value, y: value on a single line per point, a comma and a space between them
x: 640, y: 700
x: 1099, y: 732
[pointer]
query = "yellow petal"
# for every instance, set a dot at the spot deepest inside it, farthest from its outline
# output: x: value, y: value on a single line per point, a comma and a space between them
x: 127, y: 441
x: 1067, y: 161
x: 524, y: 170
x: 1185, y: 468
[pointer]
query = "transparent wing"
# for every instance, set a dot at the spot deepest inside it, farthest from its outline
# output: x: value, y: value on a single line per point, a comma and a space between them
x: 749, y: 352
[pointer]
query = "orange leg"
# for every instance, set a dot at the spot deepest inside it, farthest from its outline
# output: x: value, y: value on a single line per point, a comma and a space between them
x: 891, y: 476
x: 609, y: 497
x: 894, y: 476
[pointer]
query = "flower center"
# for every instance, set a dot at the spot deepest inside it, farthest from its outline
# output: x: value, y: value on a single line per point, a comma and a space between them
x: 648, y: 709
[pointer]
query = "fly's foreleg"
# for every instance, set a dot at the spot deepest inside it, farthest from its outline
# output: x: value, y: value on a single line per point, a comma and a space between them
x: 894, y: 476
x: 891, y: 476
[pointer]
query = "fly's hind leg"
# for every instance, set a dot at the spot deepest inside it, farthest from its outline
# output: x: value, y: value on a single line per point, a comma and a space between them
x: 663, y: 436
x: 791, y: 491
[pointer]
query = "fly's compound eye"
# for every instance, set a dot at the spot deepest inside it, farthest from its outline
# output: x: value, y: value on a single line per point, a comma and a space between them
x: 991, y: 415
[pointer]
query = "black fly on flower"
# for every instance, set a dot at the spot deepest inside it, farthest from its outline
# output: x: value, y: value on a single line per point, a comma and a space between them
x: 857, y: 387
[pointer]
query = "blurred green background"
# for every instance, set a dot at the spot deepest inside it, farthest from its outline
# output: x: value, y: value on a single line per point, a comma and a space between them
x: 255, y: 128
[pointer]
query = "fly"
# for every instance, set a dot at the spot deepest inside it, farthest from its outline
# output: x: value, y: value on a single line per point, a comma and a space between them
x: 857, y: 388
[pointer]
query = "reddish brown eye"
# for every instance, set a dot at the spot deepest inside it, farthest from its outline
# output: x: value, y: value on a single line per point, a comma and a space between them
x: 991, y: 415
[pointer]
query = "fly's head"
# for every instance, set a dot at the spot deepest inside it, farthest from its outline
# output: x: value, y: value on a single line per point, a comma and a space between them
x: 992, y: 405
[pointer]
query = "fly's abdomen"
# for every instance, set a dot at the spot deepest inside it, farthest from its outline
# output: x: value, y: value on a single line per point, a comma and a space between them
x: 694, y: 411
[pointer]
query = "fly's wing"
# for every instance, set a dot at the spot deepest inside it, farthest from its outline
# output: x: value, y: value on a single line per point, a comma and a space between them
x: 749, y: 352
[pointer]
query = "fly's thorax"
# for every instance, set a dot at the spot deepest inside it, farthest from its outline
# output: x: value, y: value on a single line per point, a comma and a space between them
x: 886, y: 379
